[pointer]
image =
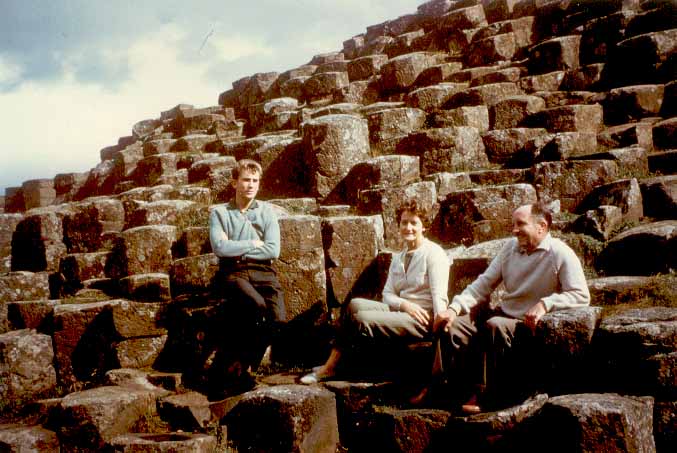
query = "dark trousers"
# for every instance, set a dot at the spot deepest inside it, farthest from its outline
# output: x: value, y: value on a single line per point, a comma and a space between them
x: 252, y: 313
x: 488, y: 351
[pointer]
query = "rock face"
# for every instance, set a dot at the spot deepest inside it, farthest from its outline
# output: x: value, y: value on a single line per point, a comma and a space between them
x: 297, y: 419
x: 28, y: 438
x: 26, y: 370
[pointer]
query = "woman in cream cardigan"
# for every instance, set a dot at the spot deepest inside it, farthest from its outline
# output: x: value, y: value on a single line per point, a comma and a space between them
x: 414, y: 293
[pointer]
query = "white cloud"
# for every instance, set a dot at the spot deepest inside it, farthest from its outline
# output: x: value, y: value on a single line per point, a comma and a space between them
x: 10, y: 72
x: 231, y: 48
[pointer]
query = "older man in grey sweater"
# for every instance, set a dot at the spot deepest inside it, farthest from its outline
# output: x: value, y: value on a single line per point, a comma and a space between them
x: 540, y: 274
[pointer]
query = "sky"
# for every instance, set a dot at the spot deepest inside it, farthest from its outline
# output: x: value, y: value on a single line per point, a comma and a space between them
x: 77, y: 74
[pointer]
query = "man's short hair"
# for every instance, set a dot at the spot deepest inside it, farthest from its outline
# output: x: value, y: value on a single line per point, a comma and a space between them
x: 412, y: 207
x: 246, y: 165
x: 540, y: 211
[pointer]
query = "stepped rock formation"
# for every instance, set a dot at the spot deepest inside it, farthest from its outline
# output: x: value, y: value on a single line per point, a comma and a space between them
x: 472, y: 107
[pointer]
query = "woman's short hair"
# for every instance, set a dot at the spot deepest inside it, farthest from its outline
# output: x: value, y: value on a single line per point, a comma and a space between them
x: 412, y: 207
x: 246, y: 165
x: 541, y: 211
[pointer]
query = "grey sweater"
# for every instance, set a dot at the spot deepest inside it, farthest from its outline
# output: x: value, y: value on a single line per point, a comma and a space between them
x: 551, y: 273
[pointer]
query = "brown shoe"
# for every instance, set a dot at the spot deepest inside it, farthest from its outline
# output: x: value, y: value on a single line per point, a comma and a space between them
x: 471, y: 406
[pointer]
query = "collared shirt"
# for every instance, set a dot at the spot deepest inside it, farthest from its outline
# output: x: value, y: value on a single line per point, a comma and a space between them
x: 258, y: 222
x: 424, y: 282
x: 552, y: 273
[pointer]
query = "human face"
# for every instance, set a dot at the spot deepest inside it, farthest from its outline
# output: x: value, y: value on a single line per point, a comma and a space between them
x: 247, y: 185
x: 528, y: 230
x: 411, y: 229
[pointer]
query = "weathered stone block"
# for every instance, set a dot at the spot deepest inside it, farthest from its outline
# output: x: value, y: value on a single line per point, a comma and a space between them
x: 147, y: 249
x: 164, y: 443
x: 446, y: 149
x: 660, y: 196
x: 324, y: 84
x: 8, y: 223
x: 431, y: 98
x: 571, y: 181
x: 469, y: 17
x: 491, y: 50
x: 449, y: 182
x: 78, y: 267
x: 406, y: 430
x: 569, y: 118
x: 14, y: 199
x: 625, y: 194
x: 477, y: 215
x: 158, y: 146
x: 498, y: 10
x: 391, y: 123
x: 84, y: 229
x: 365, y: 67
x: 625, y: 254
x: 82, y: 337
x: 382, y: 171
x: 589, y: 77
x: 31, y: 314
x: 192, y: 242
x: 163, y: 212
x: 37, y: 241
x: 193, y: 274
x: 146, y: 287
x: 38, y: 193
x: 91, y: 419
x: 555, y: 54
x: 510, y: 74
x: 631, y: 160
x: 551, y: 81
x: 595, y: 422
x: 559, y: 146
x: 488, y: 95
x: 665, y: 134
x: 139, y: 352
x: 22, y: 438
x: 646, y: 52
x: 401, y: 72
x: 625, y: 135
x: 332, y: 145
x: 298, y: 419
x: 300, y: 268
x: 187, y: 411
x: 511, y: 111
x: 151, y: 168
x: 631, y: 103
x: 599, y: 223
x: 200, y: 170
x: 475, y: 116
x: 351, y: 243
x: 26, y: 370
x: 385, y: 201
x: 438, y: 73
x: 502, y: 145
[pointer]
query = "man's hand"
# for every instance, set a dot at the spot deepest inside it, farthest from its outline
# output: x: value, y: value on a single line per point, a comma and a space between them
x: 416, y: 312
x: 444, y: 320
x: 257, y: 243
x: 534, y: 314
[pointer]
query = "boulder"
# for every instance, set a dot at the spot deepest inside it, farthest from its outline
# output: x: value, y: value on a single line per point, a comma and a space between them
x: 446, y: 149
x: 324, y: 84
x: 385, y: 201
x: 296, y: 206
x: 200, y: 169
x: 498, y: 177
x: 8, y: 223
x: 558, y: 146
x: 146, y: 249
x: 139, y: 352
x: 24, y: 285
x: 284, y: 168
x: 632, y: 160
x: 550, y: 81
x: 571, y: 181
x: 561, y: 53
x: 632, y: 103
x: 31, y: 314
x: 601, y: 35
x: 600, y: 222
x: 163, y: 212
x: 158, y: 146
x: 26, y: 370
x: 589, y: 77
x: 476, y: 215
x: 624, y: 193
x: 392, y: 124
x: 647, y: 52
x: 449, y: 182
x: 499, y: 10
x: 194, y: 143
x: 351, y: 243
x: 509, y: 74
x: 137, y: 319
x: 461, y: 18
x: 474, y: 116
x: 438, y: 73
x: 192, y: 242
x: 37, y: 241
x: 625, y: 254
x: 150, y: 169
x: 407, y: 430
x: 297, y: 419
x: 332, y: 145
x: 91, y: 419
x: 78, y: 267
x: 659, y: 195
x: 594, y: 422
x: 512, y: 110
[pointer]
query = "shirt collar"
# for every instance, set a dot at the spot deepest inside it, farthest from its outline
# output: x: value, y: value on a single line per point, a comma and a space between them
x: 233, y: 205
x: 546, y: 244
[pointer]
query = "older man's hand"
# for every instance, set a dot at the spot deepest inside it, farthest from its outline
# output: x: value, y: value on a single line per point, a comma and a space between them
x: 534, y: 314
x: 444, y: 320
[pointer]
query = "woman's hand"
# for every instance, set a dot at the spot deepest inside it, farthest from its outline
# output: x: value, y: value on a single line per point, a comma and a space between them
x: 444, y: 320
x: 416, y: 311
